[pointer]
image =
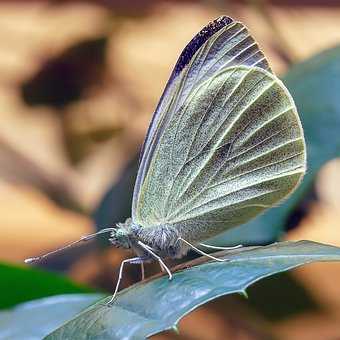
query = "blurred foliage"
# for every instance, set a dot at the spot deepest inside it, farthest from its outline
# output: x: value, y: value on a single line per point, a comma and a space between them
x: 116, y: 203
x: 279, y: 289
x: 20, y: 284
x: 64, y: 78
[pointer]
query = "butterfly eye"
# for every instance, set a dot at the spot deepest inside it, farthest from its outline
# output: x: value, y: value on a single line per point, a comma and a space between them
x: 120, y: 238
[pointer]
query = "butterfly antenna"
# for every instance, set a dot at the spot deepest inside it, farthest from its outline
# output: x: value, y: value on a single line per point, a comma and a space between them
x: 70, y: 245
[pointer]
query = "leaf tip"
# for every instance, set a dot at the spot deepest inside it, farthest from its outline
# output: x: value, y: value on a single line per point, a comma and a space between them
x: 175, y: 329
x: 244, y: 293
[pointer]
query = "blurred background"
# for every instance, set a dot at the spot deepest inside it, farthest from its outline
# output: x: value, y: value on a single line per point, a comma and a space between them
x: 78, y: 84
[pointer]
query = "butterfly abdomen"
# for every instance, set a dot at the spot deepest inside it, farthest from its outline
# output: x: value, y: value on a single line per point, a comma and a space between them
x: 164, y: 240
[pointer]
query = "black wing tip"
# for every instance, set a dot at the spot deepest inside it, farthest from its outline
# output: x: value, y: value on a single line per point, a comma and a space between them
x: 220, y: 22
x: 199, y: 39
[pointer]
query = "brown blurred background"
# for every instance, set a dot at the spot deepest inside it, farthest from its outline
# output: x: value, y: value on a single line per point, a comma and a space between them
x: 78, y: 85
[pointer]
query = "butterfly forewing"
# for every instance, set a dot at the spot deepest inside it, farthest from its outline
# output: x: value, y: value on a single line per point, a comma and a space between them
x: 228, y: 146
x: 220, y: 44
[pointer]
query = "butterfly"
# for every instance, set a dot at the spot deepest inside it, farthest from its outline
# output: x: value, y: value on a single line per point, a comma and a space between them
x: 224, y: 144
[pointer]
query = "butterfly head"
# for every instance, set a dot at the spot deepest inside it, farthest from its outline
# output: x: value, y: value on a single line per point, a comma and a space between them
x: 123, y: 236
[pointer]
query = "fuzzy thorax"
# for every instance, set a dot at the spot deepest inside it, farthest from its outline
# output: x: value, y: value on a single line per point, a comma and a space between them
x: 162, y: 239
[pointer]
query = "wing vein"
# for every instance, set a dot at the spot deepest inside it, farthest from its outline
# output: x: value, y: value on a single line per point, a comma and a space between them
x: 223, y: 135
x: 241, y: 188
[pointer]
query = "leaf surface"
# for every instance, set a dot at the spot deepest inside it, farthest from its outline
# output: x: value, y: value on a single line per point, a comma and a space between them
x: 158, y: 304
x: 35, y: 319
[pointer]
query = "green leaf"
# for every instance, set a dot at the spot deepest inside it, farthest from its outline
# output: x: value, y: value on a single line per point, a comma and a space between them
x: 315, y: 87
x: 35, y: 319
x: 158, y: 304
x: 19, y: 284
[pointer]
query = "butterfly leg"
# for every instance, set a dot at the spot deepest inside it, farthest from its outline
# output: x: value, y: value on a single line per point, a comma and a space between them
x: 200, y: 251
x: 157, y: 257
x: 142, y: 270
x: 220, y: 248
x: 133, y: 260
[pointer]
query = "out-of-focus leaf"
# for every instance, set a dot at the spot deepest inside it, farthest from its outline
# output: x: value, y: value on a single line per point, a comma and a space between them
x: 64, y: 78
x: 19, y: 284
x: 157, y: 305
x: 35, y: 319
x: 281, y: 288
x: 315, y: 87
x: 116, y: 204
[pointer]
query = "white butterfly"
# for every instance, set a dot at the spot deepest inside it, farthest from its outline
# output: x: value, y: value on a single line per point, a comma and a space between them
x: 224, y: 144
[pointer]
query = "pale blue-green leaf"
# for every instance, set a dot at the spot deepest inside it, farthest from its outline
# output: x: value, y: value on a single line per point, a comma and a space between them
x: 35, y: 319
x: 157, y: 305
